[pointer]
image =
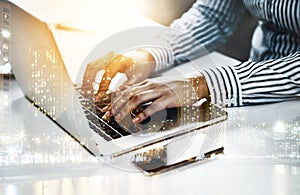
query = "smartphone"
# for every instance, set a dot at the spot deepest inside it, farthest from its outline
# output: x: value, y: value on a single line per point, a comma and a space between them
x: 176, y: 154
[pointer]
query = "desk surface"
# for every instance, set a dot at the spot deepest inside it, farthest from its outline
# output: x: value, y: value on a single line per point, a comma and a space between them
x: 262, y: 156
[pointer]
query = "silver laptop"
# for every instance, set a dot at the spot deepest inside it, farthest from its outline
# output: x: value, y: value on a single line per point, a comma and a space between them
x: 43, y: 78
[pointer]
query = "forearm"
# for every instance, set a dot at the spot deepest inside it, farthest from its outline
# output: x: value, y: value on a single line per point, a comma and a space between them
x: 204, y: 27
x: 255, y: 83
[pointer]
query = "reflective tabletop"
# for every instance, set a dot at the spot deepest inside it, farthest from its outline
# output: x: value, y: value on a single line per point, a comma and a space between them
x: 262, y: 156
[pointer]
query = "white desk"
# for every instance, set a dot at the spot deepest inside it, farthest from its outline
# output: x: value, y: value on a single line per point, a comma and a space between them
x: 262, y: 156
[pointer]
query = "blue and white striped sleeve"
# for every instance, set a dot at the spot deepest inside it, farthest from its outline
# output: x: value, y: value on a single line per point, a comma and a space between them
x: 251, y: 83
x: 205, y: 26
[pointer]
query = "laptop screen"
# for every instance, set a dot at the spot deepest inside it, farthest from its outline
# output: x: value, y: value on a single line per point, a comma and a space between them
x: 42, y: 76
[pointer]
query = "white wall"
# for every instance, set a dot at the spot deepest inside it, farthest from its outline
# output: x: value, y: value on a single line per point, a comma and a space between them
x: 162, y: 11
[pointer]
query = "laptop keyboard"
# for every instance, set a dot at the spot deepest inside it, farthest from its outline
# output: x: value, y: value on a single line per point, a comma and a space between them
x: 108, y: 129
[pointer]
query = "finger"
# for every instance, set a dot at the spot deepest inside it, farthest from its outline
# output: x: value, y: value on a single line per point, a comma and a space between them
x: 143, y: 67
x: 134, y: 102
x: 93, y: 67
x: 106, y: 79
x: 121, y: 97
x: 138, y: 73
x: 107, y: 112
x: 135, y: 76
x: 100, y: 96
x: 106, y: 108
x: 117, y: 81
x: 90, y: 73
x: 143, y: 86
x: 118, y: 64
x: 109, y: 57
x: 107, y: 115
x: 98, y: 63
x: 96, y: 83
x: 157, y: 105
x: 118, y: 104
x: 126, y: 95
x: 129, y: 82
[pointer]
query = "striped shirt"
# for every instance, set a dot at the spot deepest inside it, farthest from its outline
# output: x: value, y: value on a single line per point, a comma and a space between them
x: 271, y: 74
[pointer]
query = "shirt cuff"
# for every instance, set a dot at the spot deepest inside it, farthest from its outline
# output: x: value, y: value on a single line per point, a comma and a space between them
x: 163, y: 57
x: 224, y: 86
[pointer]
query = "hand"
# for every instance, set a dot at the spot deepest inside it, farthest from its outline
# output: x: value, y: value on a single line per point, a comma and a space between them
x: 137, y: 66
x: 91, y: 71
x: 161, y: 95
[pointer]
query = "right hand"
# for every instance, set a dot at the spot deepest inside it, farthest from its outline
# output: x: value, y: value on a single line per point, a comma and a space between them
x: 137, y: 65
x: 161, y: 95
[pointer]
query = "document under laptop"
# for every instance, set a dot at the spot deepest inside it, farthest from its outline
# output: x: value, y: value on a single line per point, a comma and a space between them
x: 42, y: 75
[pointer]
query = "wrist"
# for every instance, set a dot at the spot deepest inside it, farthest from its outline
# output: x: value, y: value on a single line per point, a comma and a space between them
x: 142, y: 57
x: 200, y: 86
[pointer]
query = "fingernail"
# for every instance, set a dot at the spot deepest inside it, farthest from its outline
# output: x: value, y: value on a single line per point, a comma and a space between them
x: 106, y: 116
x: 118, y: 117
x: 95, y: 88
x: 108, y: 92
x: 99, y: 76
x: 104, y: 109
x: 135, y: 119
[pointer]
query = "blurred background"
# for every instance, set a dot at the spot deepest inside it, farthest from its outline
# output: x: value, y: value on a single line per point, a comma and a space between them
x: 116, y: 11
x: 165, y: 11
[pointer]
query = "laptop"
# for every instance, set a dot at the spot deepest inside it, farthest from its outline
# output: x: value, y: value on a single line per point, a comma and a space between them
x: 42, y: 76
